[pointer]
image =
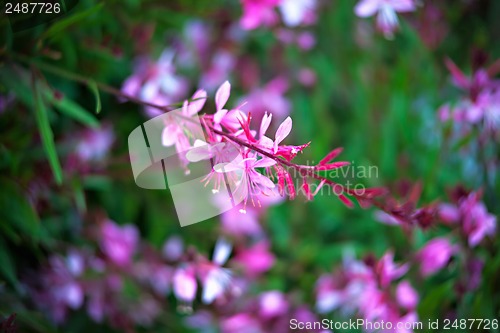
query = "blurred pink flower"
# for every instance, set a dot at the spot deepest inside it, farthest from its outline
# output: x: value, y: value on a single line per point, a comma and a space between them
x: 297, y: 12
x: 450, y: 214
x: 482, y: 102
x: 387, y: 19
x: 241, y: 323
x: 306, y: 40
x: 176, y: 127
x: 221, y: 66
x: 476, y: 221
x: 59, y: 286
x: 173, y: 248
x: 94, y: 144
x: 472, y: 216
x: 156, y: 82
x: 272, y: 304
x: 387, y: 270
x: 435, y: 255
x: 258, y: 13
x: 270, y: 98
x: 406, y: 295
x: 119, y: 243
x: 306, y: 77
x: 237, y: 224
x: 216, y: 279
x: 184, y: 284
x: 256, y: 259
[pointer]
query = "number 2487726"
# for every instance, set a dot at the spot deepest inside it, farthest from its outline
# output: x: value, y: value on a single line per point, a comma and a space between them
x: 32, y: 8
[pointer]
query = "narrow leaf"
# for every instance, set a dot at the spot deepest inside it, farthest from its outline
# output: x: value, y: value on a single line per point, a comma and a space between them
x: 95, y: 90
x: 71, y: 109
x: 62, y: 25
x: 49, y: 146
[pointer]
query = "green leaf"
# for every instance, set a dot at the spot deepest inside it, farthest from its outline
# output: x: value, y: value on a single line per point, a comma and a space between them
x: 66, y: 106
x: 62, y: 25
x: 7, y: 268
x: 49, y: 146
x: 95, y: 90
x: 20, y: 213
x: 71, y: 109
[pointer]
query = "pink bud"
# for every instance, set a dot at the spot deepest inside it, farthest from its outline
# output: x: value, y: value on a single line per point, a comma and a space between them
x: 331, y: 166
x: 331, y: 155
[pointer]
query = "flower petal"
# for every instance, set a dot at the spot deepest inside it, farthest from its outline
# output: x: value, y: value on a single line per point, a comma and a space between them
x: 200, y: 151
x: 226, y: 167
x: 262, y: 180
x: 264, y: 125
x: 169, y: 135
x: 214, y: 285
x: 366, y: 8
x: 222, y: 251
x: 264, y: 163
x: 199, y: 98
x: 222, y: 95
x: 282, y: 132
x: 184, y: 285
x: 219, y: 115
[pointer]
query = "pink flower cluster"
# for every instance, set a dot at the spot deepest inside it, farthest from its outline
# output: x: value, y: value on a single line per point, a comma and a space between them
x: 368, y: 289
x: 270, y: 311
x: 481, y: 105
x: 101, y: 280
x: 471, y: 216
x: 246, y: 158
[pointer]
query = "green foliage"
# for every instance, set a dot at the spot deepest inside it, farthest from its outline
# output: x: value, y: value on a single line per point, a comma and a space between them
x: 377, y: 100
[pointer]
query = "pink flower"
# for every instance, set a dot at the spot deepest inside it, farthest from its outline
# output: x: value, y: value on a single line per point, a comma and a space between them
x: 482, y: 101
x: 184, y: 284
x: 435, y: 255
x: 296, y: 12
x: 388, y: 271
x: 235, y: 223
x: 156, y: 82
x: 95, y: 144
x: 119, y: 243
x: 270, y: 98
x: 177, y: 127
x: 173, y: 248
x: 387, y: 19
x: 407, y: 296
x: 449, y: 213
x: 258, y: 13
x: 250, y: 183
x: 60, y: 288
x: 272, y: 304
x: 241, y: 323
x: 229, y: 119
x: 306, y: 77
x: 216, y: 279
x: 256, y: 259
x: 476, y: 221
x: 221, y: 66
x: 306, y: 41
x: 472, y: 216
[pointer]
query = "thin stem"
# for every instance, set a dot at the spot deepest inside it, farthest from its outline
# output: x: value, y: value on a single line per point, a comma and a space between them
x: 304, y: 171
x: 84, y: 80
